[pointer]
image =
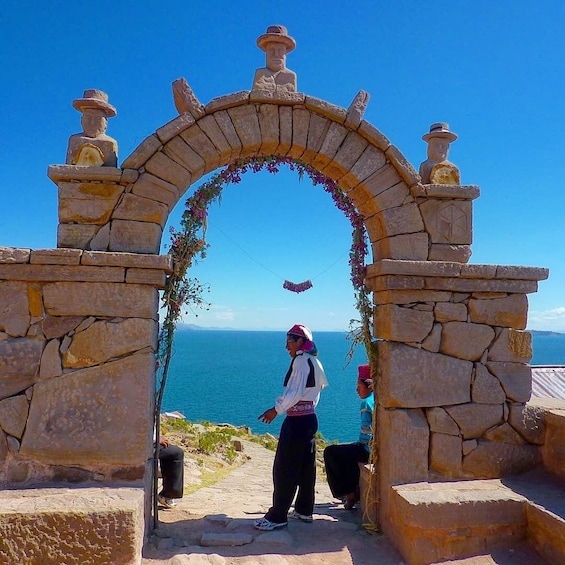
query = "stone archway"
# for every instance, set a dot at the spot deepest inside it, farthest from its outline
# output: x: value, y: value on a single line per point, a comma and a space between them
x: 81, y: 319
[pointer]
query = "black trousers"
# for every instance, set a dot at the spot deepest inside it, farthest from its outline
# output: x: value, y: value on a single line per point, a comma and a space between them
x: 171, y: 460
x: 342, y: 469
x: 294, y: 468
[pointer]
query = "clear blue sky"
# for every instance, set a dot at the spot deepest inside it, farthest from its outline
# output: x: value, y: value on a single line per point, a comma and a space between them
x: 494, y: 70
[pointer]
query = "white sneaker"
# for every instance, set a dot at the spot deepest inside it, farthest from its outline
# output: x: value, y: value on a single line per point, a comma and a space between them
x: 302, y: 517
x: 266, y: 525
x: 166, y: 502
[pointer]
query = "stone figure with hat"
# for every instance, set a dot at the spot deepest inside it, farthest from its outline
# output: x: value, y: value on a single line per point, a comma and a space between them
x: 92, y: 147
x: 275, y: 77
x: 437, y: 169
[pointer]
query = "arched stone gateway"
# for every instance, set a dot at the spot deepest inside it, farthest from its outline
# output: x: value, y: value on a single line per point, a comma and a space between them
x: 79, y: 323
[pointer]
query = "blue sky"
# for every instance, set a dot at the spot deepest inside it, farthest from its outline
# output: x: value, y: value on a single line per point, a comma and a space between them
x: 493, y: 70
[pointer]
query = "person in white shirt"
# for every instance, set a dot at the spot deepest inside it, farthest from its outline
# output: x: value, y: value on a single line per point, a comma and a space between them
x: 294, y: 467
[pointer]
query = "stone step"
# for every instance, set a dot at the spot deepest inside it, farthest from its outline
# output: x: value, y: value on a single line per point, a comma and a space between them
x: 545, y: 511
x: 71, y: 525
x: 440, y: 521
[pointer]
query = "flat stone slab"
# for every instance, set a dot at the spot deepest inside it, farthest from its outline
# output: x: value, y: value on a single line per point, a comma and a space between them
x: 72, y: 525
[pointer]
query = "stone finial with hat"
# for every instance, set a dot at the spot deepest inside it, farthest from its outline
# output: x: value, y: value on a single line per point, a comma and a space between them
x: 440, y: 129
x: 278, y: 34
x: 95, y: 99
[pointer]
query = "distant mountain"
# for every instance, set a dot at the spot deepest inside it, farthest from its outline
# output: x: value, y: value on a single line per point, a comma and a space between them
x: 545, y: 332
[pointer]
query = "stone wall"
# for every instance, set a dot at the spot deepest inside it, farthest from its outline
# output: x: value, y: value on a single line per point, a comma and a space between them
x: 78, y: 332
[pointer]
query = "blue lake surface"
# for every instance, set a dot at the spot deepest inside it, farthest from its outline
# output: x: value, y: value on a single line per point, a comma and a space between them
x: 233, y: 376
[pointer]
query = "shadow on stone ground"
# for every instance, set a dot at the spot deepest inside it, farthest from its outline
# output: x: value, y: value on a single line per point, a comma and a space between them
x: 224, y: 513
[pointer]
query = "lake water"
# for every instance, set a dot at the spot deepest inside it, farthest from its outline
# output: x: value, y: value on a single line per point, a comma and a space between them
x: 233, y: 376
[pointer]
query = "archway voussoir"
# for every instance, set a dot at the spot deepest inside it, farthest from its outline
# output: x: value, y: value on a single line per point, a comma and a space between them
x: 226, y: 126
x: 404, y: 168
x: 323, y: 108
x: 300, y: 125
x: 150, y: 186
x: 165, y: 168
x: 199, y: 142
x: 228, y: 101
x: 285, y: 130
x: 246, y: 123
x: 212, y: 130
x: 373, y: 135
x: 279, y: 98
x: 347, y: 155
x: 335, y: 135
x: 174, y: 127
x: 149, y: 146
x: 270, y: 129
x: 180, y: 152
x: 317, y: 131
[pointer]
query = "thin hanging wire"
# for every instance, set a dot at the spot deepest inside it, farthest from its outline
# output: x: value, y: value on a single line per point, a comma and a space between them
x: 267, y: 268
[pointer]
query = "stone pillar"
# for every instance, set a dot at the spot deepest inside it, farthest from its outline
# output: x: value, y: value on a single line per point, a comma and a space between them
x: 78, y: 335
x: 452, y: 366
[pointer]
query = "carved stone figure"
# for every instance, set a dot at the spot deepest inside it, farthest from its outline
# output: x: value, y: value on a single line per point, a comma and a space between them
x: 437, y: 169
x: 275, y: 76
x: 92, y: 147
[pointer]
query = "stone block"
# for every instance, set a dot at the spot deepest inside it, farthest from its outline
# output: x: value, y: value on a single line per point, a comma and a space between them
x: 481, y: 285
x: 404, y: 437
x: 409, y: 296
x: 13, y: 415
x: 269, y: 124
x: 546, y: 532
x: 87, y: 203
x: 174, y: 127
x: 449, y: 252
x: 554, y: 446
x: 395, y: 221
x: 515, y: 378
x: 504, y: 433
x: 509, y: 311
x: 53, y: 437
x: 131, y: 260
x: 528, y: 421
x: 285, y: 130
x: 163, y: 167
x: 55, y: 257
x: 150, y: 186
x: 446, y: 454
x: 14, y: 308
x: 138, y: 208
x: 135, y: 237
x: 433, y: 340
x: 180, y: 152
x: 444, y: 521
x: 226, y: 126
x: 332, y: 141
x: 246, y: 123
x: 51, y: 361
x: 300, y: 125
x: 154, y: 277
x: 495, y: 459
x: 402, y: 165
x: 450, y: 312
x: 102, y: 526
x: 215, y: 539
x: 448, y: 221
x: 58, y: 326
x: 212, y: 130
x: 76, y: 236
x: 511, y: 345
x: 369, y: 163
x: 106, y: 340
x: 372, y: 134
x: 347, y: 155
x: 475, y: 419
x: 227, y: 101
x: 412, y: 378
x: 441, y: 422
x: 413, y: 246
x: 465, y: 340
x: 142, y: 153
x: 486, y: 388
x: 318, y: 106
x: 396, y: 323
x: 100, y: 299
x: 317, y: 130
x: 14, y: 255
x: 200, y: 143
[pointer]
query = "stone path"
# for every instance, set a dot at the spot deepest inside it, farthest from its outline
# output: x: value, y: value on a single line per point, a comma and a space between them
x: 225, y: 513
